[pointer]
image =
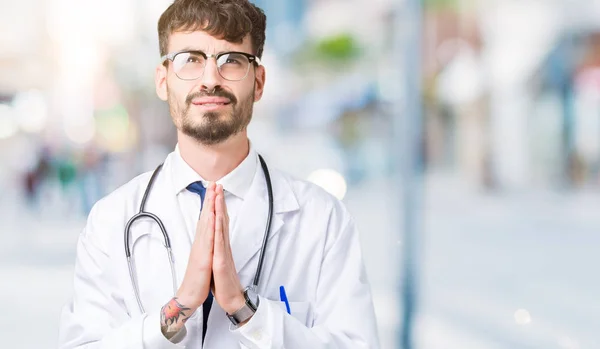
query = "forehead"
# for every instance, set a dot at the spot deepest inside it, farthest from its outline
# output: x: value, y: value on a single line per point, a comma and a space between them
x: 200, y: 40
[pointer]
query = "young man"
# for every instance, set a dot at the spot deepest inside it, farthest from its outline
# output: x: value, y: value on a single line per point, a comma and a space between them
x: 312, y: 290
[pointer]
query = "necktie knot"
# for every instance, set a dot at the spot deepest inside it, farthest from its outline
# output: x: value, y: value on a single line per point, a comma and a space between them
x: 199, y: 189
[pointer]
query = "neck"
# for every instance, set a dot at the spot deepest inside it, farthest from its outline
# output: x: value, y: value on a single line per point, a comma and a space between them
x: 213, y: 162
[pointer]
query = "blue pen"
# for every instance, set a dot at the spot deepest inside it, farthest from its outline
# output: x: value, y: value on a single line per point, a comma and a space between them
x: 283, y: 298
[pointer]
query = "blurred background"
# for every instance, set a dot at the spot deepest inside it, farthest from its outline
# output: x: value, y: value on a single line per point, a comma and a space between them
x: 462, y: 134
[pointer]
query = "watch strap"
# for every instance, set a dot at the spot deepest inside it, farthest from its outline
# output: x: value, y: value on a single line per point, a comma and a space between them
x: 245, y: 312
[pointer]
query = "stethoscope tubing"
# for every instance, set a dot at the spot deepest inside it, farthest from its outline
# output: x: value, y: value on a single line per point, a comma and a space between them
x: 143, y: 214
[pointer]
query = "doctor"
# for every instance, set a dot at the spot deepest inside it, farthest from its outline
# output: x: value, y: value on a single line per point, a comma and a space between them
x: 230, y: 286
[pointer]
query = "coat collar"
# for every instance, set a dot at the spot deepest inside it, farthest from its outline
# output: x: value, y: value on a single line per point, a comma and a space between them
x: 235, y: 182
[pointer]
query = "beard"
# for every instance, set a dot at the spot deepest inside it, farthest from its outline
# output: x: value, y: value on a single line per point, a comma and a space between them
x: 215, y: 127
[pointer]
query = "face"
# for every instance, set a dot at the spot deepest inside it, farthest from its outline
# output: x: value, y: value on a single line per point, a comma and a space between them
x: 209, y: 109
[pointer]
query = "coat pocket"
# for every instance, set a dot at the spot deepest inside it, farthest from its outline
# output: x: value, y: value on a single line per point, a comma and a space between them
x: 302, y: 311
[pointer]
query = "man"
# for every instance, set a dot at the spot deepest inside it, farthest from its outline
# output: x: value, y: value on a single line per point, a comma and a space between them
x: 313, y: 291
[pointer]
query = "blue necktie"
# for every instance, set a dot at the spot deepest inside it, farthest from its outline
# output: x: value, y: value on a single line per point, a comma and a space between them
x: 199, y: 189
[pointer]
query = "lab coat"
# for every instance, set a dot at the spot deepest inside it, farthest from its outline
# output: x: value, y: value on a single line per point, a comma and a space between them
x: 313, y: 251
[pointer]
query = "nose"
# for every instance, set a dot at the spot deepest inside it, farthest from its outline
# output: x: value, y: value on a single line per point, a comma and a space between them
x: 211, y: 79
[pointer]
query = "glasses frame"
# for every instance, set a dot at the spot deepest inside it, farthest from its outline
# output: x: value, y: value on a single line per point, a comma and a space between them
x: 251, y: 58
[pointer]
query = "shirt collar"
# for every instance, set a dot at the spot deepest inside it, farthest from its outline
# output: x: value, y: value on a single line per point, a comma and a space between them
x: 236, y: 182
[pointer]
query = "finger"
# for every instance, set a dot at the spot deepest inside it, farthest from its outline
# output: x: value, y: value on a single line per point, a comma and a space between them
x: 208, y: 250
x: 223, y: 206
x: 205, y: 224
x: 219, y: 203
x: 221, y: 210
x: 209, y: 237
x: 210, y: 198
x: 225, y: 223
x: 219, y: 221
x: 225, y: 218
x: 220, y: 251
x: 201, y: 226
x: 202, y: 248
x: 208, y: 195
x: 225, y: 211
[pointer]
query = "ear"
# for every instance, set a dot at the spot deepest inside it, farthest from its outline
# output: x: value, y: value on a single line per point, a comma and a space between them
x: 160, y: 80
x: 259, y: 82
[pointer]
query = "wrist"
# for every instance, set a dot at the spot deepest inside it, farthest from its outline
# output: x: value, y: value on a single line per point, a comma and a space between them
x: 189, y: 299
x: 238, y: 303
x: 173, y: 316
x: 245, y: 312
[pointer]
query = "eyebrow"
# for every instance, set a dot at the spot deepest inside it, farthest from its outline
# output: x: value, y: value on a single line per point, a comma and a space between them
x: 200, y: 50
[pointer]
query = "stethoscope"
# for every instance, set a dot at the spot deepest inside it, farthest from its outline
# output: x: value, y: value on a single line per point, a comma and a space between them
x: 144, y: 214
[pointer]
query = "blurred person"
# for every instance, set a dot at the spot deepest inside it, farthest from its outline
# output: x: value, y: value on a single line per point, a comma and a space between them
x: 349, y: 135
x: 66, y: 171
x: 34, y: 178
x: 269, y: 262
x: 90, y: 173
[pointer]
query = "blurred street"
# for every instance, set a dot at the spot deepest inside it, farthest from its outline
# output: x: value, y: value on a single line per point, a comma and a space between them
x: 495, y: 103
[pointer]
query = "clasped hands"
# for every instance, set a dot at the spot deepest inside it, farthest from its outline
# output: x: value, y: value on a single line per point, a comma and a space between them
x: 210, y: 256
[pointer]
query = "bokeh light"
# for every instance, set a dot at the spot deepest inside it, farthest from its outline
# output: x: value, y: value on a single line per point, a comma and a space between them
x: 32, y: 110
x: 8, y: 124
x: 522, y: 317
x: 80, y: 131
x: 330, y: 180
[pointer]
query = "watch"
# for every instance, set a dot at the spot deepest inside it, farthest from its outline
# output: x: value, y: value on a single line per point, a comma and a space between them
x: 245, y: 312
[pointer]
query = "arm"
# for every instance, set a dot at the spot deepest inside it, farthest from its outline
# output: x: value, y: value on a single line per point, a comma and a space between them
x: 96, y: 317
x: 344, y: 310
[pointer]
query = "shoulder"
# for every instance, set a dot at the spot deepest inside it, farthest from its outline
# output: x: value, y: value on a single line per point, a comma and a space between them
x: 313, y: 199
x: 124, y: 195
x: 113, y: 210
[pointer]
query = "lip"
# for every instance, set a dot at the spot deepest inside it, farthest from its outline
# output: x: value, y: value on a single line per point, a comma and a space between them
x: 210, y: 107
x: 218, y: 101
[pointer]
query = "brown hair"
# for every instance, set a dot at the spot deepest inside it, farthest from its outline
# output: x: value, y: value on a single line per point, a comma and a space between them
x: 231, y: 20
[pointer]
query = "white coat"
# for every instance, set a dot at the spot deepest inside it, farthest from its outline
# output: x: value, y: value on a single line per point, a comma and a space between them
x: 313, y: 251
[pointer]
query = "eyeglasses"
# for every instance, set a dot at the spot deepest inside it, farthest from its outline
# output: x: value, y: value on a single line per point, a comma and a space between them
x: 232, y: 66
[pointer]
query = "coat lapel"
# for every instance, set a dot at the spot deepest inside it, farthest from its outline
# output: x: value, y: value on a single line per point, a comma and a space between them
x: 249, y: 227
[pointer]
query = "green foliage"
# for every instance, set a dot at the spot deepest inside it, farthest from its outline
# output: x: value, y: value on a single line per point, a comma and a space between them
x: 337, y: 48
x: 441, y: 4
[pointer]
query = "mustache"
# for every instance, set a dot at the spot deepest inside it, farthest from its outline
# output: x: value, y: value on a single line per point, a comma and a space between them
x: 216, y: 93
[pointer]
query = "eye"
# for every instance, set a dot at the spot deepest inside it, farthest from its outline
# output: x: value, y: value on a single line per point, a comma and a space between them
x: 232, y: 60
x: 193, y: 58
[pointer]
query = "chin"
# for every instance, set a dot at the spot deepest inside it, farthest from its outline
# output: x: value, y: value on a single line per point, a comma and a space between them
x: 212, y: 115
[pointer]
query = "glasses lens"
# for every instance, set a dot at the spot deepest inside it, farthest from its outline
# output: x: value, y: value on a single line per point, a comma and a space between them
x: 189, y: 65
x: 233, y: 66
